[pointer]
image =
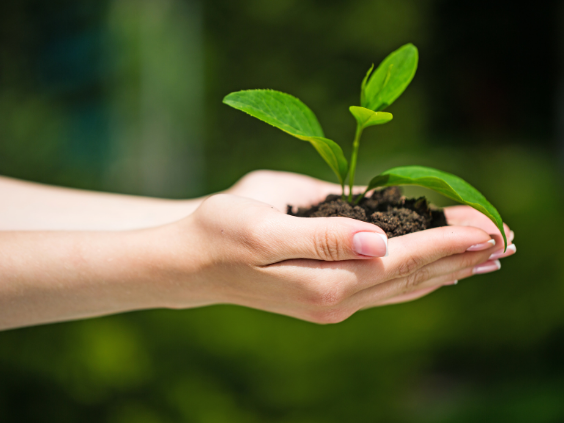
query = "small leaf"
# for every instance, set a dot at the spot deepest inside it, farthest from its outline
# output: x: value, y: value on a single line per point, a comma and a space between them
x: 449, y: 185
x: 366, y: 117
x: 289, y: 114
x: 390, y: 79
x: 363, y: 84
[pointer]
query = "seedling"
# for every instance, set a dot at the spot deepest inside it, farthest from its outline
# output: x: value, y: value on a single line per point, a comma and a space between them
x: 379, y: 89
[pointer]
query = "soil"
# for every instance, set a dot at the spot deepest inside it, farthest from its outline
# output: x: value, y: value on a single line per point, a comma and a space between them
x: 387, y: 208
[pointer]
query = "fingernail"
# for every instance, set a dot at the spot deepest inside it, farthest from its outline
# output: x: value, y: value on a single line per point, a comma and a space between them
x: 511, y: 236
x: 370, y: 244
x: 451, y: 283
x: 483, y: 246
x: 511, y: 249
x: 489, y: 266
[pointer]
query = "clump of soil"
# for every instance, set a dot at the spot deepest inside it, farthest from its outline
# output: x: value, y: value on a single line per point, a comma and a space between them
x: 387, y: 208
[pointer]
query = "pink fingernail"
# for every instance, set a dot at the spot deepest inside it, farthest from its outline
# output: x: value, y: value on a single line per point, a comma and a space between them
x: 511, y: 249
x: 511, y: 236
x: 483, y: 246
x: 451, y: 283
x: 370, y: 244
x: 487, y: 267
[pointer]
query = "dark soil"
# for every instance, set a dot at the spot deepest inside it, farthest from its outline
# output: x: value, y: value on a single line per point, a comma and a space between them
x: 387, y: 208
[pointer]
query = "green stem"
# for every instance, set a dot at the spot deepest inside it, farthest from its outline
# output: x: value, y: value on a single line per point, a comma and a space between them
x: 354, y: 156
x: 360, y: 197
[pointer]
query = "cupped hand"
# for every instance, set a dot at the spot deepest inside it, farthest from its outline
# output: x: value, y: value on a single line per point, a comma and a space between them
x: 282, y: 188
x: 241, y: 251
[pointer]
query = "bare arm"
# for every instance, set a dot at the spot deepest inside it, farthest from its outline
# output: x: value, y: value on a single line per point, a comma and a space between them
x: 55, y: 276
x: 36, y: 207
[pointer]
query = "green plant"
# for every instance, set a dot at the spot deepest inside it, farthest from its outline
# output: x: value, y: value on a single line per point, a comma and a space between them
x: 379, y: 89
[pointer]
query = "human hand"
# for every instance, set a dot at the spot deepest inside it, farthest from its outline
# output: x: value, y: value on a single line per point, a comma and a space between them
x: 282, y: 188
x: 249, y: 253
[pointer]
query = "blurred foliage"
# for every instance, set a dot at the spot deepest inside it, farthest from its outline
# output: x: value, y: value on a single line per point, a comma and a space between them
x: 482, y: 106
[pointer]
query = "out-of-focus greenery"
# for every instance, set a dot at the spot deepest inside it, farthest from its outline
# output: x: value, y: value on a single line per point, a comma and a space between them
x: 482, y: 106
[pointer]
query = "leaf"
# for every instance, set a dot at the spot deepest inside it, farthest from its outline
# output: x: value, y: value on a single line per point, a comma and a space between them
x: 289, y: 114
x: 363, y: 84
x: 449, y: 185
x: 366, y: 117
x: 390, y: 79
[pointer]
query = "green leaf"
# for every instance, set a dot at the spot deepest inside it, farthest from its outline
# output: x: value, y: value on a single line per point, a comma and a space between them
x: 366, y: 117
x: 390, y: 79
x: 363, y: 84
x: 449, y: 185
x: 289, y: 114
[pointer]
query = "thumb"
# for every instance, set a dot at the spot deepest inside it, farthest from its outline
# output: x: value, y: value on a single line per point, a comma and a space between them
x: 328, y: 239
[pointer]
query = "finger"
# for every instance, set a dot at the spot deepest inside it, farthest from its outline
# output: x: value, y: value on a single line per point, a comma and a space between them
x: 450, y: 278
x: 437, y: 282
x: 453, y: 278
x: 439, y: 272
x: 411, y: 296
x: 409, y: 253
x: 325, y: 238
x: 499, y: 253
x: 468, y: 216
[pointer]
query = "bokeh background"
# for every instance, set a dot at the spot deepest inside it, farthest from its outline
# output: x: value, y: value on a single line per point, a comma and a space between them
x: 125, y: 96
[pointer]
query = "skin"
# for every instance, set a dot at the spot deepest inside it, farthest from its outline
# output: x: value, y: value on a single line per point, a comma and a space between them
x: 68, y: 254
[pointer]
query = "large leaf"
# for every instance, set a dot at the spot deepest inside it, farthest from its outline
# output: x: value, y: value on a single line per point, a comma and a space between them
x: 289, y: 114
x: 390, y: 79
x: 449, y: 185
x: 366, y: 117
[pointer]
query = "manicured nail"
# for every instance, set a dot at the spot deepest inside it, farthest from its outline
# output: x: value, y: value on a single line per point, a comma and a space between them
x: 511, y: 249
x: 487, y: 267
x: 511, y: 236
x: 370, y: 244
x: 451, y: 283
x: 483, y: 246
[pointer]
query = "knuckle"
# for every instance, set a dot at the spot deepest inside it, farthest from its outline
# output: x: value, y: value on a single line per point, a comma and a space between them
x: 463, y: 274
x: 417, y: 278
x: 255, y: 236
x: 216, y: 200
x: 328, y: 245
x: 329, y: 316
x: 470, y: 260
x: 255, y: 174
x: 325, y: 296
x: 207, y: 208
x: 408, y: 266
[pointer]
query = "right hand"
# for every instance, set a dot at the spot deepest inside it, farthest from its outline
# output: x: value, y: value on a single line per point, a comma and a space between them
x: 240, y: 251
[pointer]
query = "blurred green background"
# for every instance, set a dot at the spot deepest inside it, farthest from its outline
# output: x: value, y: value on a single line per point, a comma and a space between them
x: 125, y: 96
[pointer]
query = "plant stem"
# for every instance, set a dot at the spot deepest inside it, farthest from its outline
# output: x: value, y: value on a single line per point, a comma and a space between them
x: 354, y: 156
x: 360, y: 197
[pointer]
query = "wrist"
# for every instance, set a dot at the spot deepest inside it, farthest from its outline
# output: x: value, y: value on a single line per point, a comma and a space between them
x: 173, y: 260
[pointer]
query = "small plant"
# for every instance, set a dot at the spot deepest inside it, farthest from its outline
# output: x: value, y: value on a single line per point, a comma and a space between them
x: 379, y: 89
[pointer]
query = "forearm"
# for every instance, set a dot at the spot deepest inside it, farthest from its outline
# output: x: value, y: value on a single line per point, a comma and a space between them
x: 55, y: 276
x: 31, y: 206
